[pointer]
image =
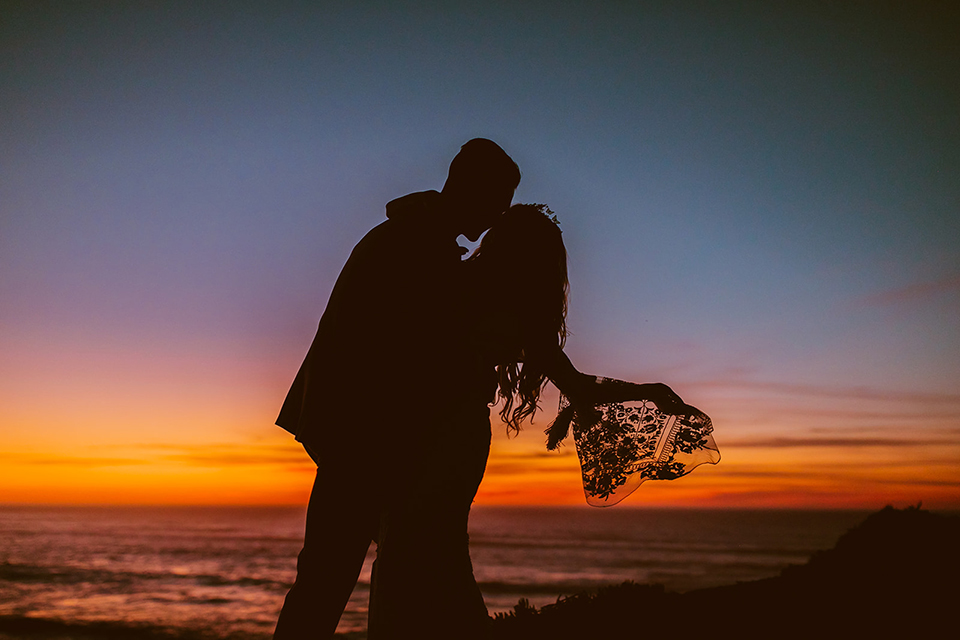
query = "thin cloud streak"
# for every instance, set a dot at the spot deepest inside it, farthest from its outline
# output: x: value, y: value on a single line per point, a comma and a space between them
x: 219, y: 455
x: 846, y: 443
x: 915, y: 293
x: 808, y: 480
x: 72, y: 461
x: 832, y: 391
x: 222, y: 455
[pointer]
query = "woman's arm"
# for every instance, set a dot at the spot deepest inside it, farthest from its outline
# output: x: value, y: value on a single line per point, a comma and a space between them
x: 571, y: 382
x: 584, y: 388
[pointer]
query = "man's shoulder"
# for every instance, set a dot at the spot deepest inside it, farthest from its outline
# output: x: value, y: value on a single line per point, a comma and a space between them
x: 407, y: 215
x: 411, y: 229
x: 385, y: 241
x: 382, y: 233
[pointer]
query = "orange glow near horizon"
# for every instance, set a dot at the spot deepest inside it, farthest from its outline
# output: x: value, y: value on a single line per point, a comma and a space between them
x: 275, y: 471
x: 176, y: 206
x: 191, y: 430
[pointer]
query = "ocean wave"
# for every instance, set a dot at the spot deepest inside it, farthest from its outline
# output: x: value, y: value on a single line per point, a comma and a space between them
x: 481, y: 544
x: 36, y: 574
x: 29, y: 627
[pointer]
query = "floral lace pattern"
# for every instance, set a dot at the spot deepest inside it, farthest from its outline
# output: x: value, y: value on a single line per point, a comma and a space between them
x: 623, y: 444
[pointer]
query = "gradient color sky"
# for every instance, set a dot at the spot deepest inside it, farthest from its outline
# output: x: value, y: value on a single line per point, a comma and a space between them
x: 761, y: 206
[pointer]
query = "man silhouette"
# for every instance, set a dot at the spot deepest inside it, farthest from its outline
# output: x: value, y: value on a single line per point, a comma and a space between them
x: 385, y: 373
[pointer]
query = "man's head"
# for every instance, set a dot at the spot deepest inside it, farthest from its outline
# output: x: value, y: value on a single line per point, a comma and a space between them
x: 480, y: 186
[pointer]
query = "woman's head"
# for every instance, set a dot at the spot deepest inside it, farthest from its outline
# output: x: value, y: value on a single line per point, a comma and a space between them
x: 524, y: 257
x: 523, y: 254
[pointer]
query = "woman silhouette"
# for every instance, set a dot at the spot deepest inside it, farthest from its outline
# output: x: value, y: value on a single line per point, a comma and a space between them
x: 625, y: 433
x: 423, y: 581
x: 522, y: 335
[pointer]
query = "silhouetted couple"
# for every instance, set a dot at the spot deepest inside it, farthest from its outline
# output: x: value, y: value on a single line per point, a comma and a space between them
x: 392, y: 400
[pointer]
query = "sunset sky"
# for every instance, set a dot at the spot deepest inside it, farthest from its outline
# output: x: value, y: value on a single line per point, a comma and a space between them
x: 761, y: 207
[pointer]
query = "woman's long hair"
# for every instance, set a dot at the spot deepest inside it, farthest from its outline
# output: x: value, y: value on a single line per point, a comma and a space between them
x: 524, y: 252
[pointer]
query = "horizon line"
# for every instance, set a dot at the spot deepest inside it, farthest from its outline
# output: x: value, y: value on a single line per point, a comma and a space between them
x: 583, y: 506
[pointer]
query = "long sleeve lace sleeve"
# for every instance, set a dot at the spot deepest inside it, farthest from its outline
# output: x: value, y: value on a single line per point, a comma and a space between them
x: 624, y: 441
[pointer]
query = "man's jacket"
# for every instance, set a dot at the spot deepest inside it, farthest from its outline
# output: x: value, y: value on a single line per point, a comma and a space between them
x: 386, y: 362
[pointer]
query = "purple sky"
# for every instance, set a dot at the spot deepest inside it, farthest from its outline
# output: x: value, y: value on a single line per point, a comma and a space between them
x: 761, y: 205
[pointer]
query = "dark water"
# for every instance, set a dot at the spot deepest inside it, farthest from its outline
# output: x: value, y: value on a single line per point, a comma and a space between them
x: 219, y: 572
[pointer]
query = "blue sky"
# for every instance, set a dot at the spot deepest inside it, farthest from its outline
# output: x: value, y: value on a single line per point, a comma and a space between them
x: 760, y: 202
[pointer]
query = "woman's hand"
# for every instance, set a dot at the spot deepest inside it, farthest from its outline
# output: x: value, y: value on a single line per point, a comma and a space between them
x: 664, y: 397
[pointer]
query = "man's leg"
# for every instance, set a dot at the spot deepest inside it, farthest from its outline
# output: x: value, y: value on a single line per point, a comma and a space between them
x: 338, y: 533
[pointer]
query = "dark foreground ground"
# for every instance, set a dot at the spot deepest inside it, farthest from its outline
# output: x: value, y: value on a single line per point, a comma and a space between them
x: 893, y: 576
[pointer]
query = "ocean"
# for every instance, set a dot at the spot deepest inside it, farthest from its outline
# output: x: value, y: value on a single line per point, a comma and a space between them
x: 222, y: 572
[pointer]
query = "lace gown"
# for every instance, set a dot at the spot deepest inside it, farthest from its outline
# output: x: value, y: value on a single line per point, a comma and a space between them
x: 622, y: 444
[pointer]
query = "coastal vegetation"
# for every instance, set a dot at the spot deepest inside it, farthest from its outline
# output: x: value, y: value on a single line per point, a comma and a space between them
x: 894, y: 575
